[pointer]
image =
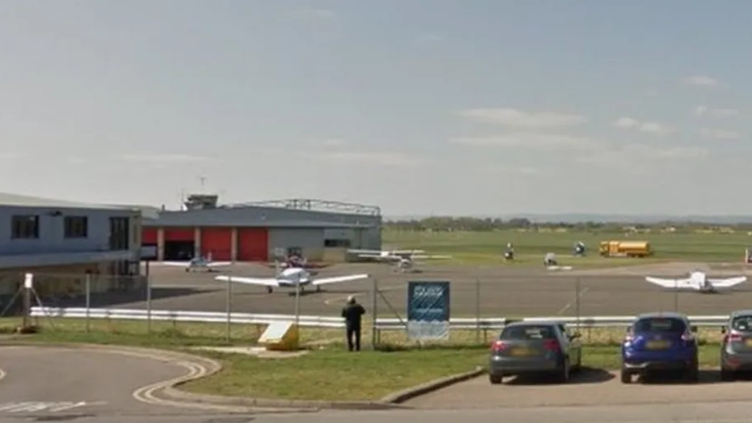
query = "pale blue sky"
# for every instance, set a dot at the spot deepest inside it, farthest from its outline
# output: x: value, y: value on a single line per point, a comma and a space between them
x: 431, y: 106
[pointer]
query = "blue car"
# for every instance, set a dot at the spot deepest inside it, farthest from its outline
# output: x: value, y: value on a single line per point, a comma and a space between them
x: 660, y: 341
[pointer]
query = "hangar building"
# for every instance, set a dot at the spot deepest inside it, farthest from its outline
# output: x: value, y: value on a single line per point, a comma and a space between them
x: 61, y: 241
x: 320, y: 230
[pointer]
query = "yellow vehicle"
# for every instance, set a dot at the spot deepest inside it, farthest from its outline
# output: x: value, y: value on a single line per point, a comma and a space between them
x: 626, y: 249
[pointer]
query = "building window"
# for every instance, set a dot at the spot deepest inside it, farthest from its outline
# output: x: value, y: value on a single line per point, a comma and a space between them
x: 76, y: 226
x: 119, y: 233
x: 337, y: 243
x: 25, y: 227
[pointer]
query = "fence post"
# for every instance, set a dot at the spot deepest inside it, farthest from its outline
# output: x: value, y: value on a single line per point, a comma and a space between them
x: 148, y: 299
x: 88, y: 301
x: 477, y: 311
x: 374, y: 307
x: 228, y: 308
x: 578, y: 288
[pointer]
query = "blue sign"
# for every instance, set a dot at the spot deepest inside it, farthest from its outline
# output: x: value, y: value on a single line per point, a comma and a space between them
x: 428, y: 310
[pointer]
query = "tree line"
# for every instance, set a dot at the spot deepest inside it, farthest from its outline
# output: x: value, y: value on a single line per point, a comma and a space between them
x: 473, y: 224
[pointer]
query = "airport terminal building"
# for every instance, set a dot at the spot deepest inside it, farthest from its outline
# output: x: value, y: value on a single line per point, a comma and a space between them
x: 259, y: 232
x: 60, y: 242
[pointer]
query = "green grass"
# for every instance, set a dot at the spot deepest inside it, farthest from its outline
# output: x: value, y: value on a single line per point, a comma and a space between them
x: 368, y: 375
x: 481, y: 247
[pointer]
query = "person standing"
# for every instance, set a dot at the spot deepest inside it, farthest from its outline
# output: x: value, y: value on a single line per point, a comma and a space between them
x: 353, y: 313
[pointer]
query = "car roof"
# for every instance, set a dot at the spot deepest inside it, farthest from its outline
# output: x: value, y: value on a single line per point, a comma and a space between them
x: 529, y: 323
x: 737, y: 313
x: 662, y: 314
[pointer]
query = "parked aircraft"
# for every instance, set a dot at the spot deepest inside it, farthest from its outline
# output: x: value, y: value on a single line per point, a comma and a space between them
x: 290, y: 278
x: 698, y: 281
x: 403, y: 261
x: 197, y: 263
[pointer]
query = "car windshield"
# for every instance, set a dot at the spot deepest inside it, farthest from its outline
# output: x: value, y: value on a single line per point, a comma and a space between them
x: 742, y: 323
x: 659, y: 324
x: 520, y: 333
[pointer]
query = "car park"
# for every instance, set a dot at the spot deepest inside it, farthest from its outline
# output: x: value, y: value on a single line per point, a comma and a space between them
x: 736, y: 345
x: 535, y: 348
x: 660, y: 341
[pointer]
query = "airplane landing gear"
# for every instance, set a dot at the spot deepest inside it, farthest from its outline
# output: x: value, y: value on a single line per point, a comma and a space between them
x: 318, y: 288
x: 187, y: 270
x: 269, y: 289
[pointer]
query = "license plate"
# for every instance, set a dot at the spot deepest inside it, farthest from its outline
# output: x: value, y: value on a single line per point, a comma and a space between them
x: 748, y: 342
x: 522, y: 352
x: 658, y: 345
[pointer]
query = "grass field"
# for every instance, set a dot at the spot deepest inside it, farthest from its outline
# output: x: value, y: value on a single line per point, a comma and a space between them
x: 478, y: 247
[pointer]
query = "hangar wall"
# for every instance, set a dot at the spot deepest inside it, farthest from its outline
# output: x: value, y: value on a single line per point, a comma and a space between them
x: 309, y: 240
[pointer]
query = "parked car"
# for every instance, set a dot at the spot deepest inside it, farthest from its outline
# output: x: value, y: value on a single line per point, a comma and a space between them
x: 660, y: 341
x: 736, y: 346
x: 535, y: 347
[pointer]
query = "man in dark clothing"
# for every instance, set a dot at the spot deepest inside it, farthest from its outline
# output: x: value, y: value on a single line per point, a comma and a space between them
x: 353, y: 313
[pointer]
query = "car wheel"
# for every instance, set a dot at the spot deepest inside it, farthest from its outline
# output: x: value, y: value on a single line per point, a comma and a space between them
x: 626, y: 376
x: 564, y: 372
x: 693, y: 373
x: 495, y: 379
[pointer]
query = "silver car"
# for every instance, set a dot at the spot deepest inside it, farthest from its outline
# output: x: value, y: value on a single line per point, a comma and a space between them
x: 535, y: 347
x: 736, y: 347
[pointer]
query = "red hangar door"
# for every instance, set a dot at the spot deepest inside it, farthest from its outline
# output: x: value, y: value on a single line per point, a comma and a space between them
x: 149, y: 236
x: 179, y: 244
x: 217, y: 243
x: 253, y: 244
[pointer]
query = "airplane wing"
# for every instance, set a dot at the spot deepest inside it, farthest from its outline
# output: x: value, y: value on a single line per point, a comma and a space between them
x: 553, y: 268
x: 407, y: 251
x: 338, y: 279
x: 379, y: 257
x: 727, y: 283
x: 218, y: 264
x: 375, y: 252
x: 423, y: 257
x: 249, y: 281
x: 177, y: 263
x: 668, y: 283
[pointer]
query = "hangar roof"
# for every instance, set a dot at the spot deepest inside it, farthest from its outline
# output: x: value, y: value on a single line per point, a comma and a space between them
x: 244, y: 223
x: 18, y: 200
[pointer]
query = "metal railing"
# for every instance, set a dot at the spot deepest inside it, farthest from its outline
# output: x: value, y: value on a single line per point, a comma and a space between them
x: 381, y: 324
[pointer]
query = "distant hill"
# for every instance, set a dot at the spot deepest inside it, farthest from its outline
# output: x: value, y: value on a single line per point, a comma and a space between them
x: 606, y: 218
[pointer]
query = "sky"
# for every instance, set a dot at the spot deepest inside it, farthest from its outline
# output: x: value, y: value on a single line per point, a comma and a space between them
x: 437, y: 107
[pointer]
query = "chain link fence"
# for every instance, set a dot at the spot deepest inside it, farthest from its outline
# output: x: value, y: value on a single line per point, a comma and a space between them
x: 479, y: 297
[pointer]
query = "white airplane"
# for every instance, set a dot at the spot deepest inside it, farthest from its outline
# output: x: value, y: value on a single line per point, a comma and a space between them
x: 698, y: 281
x: 198, y: 263
x: 290, y: 278
x: 403, y: 260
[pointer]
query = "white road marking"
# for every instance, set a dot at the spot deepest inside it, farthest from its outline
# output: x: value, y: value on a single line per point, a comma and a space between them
x: 569, y: 304
x: 146, y: 394
x: 45, y: 406
x: 2, y: 374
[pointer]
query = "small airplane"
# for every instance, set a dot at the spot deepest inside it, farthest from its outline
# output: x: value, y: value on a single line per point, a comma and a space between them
x: 196, y: 263
x: 403, y: 260
x: 698, y: 281
x: 290, y: 278
x: 552, y: 263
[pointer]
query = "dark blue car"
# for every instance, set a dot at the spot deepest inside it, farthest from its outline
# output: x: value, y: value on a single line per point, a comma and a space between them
x: 660, y: 341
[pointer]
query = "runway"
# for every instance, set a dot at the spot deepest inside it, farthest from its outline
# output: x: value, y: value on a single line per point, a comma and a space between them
x: 489, y: 291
